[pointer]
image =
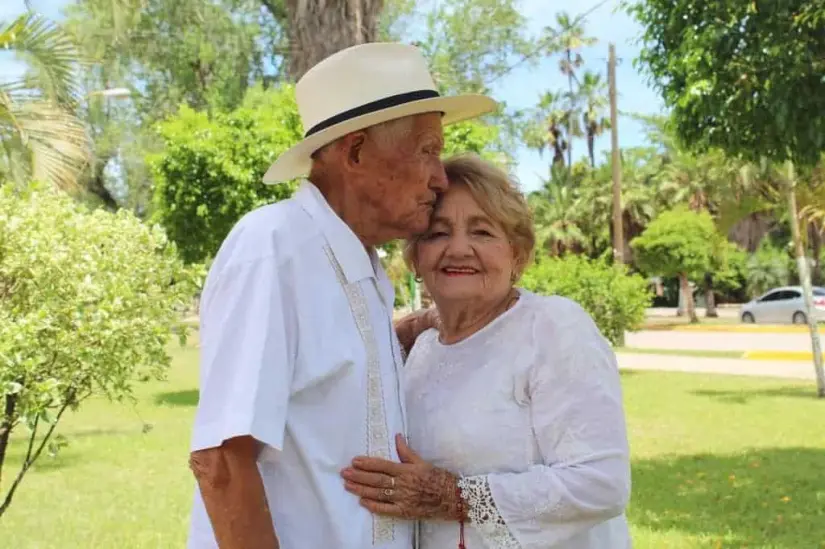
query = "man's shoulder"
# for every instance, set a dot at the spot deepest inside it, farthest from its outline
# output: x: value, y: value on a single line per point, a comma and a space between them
x: 273, y: 231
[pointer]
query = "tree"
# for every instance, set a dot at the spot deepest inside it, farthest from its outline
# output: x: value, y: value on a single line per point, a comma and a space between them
x: 210, y: 171
x: 39, y: 134
x: 548, y: 126
x: 472, y: 43
x: 745, y: 77
x: 319, y: 28
x: 88, y: 303
x: 556, y: 212
x: 201, y: 53
x: 679, y: 243
x: 593, y: 94
x: 572, y: 38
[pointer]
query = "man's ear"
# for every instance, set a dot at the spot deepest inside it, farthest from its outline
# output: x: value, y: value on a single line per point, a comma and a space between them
x: 355, y: 145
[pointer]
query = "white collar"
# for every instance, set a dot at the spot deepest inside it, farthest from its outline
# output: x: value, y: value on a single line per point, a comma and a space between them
x: 356, y: 262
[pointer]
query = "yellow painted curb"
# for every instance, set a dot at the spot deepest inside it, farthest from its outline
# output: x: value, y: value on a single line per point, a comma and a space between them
x: 779, y: 355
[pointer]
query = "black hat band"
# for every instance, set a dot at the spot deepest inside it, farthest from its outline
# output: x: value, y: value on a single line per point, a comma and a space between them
x: 373, y: 106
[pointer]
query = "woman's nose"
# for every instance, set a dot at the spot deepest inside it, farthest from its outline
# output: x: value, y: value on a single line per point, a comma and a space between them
x: 458, y: 245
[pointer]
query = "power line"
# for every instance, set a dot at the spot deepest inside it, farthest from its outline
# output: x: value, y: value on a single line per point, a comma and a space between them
x: 545, y: 42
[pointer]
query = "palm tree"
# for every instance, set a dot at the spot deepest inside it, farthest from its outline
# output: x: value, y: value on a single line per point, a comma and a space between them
x: 555, y: 210
x: 571, y: 38
x: 549, y: 128
x: 40, y: 137
x: 593, y: 94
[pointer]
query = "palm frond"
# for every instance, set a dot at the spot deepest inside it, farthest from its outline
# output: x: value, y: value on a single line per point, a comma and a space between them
x: 51, y: 54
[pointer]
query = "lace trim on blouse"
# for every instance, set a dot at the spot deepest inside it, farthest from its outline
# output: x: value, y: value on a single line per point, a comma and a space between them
x: 483, y: 513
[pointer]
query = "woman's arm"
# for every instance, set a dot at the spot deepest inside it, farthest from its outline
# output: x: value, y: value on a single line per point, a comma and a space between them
x: 411, y: 326
x: 578, y: 419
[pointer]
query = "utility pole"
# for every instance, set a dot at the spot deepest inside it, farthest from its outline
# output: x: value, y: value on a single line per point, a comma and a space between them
x: 805, y: 279
x: 618, y: 231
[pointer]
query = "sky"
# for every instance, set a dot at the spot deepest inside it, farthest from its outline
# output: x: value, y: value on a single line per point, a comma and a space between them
x: 523, y: 86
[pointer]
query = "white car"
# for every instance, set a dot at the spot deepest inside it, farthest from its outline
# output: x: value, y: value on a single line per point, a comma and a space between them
x: 783, y: 305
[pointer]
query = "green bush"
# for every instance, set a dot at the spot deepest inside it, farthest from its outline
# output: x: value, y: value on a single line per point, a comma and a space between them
x: 614, y: 298
x: 210, y: 171
x: 88, y: 303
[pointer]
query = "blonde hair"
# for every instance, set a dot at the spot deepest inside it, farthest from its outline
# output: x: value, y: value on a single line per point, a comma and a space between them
x: 498, y: 197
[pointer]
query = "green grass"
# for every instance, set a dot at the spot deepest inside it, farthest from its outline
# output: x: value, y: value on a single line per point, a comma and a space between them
x: 696, y: 353
x: 719, y: 462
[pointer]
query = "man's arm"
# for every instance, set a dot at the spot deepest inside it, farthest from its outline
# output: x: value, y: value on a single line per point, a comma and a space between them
x: 233, y: 494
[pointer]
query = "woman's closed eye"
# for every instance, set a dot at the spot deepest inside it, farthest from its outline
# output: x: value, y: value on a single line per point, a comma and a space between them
x: 436, y: 234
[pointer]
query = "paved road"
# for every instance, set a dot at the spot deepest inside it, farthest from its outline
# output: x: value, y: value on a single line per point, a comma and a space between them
x: 720, y: 341
x: 790, y: 370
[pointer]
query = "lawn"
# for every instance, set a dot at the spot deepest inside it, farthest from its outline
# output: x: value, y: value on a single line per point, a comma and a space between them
x: 719, y: 462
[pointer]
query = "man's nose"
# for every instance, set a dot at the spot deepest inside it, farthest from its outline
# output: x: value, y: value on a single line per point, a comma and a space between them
x: 438, y: 181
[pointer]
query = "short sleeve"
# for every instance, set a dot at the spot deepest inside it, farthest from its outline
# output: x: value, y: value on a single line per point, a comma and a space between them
x: 247, y: 355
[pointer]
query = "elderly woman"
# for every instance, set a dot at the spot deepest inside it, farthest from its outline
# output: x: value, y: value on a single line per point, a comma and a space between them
x: 517, y: 436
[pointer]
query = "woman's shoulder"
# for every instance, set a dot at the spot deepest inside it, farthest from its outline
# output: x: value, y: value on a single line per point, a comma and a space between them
x: 555, y: 307
x: 555, y: 314
x: 423, y: 345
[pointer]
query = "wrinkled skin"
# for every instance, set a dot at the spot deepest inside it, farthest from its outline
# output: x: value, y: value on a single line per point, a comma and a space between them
x: 412, y: 489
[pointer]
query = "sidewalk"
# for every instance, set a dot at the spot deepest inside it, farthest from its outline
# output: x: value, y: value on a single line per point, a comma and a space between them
x: 730, y: 366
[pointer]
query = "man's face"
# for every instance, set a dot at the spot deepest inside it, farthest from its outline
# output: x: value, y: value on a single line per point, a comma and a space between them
x: 401, y: 180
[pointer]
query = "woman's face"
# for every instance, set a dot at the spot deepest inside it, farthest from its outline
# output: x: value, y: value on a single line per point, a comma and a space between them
x: 464, y: 255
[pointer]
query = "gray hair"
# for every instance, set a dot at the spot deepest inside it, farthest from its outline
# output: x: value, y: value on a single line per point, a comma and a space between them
x: 388, y: 134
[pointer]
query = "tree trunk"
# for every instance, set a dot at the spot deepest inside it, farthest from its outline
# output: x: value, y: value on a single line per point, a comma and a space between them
x: 710, y: 297
x: 591, y: 148
x: 319, y: 28
x: 816, y: 248
x: 5, y: 428
x: 690, y: 306
x: 97, y: 187
x: 570, y: 114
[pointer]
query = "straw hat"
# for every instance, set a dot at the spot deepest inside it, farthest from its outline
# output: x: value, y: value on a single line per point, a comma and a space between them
x: 363, y: 86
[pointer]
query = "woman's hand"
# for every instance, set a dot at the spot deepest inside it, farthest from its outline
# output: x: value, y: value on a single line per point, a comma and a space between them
x: 412, y: 489
x: 410, y: 327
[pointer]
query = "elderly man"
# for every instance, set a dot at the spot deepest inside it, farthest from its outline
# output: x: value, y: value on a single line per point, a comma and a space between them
x: 299, y: 356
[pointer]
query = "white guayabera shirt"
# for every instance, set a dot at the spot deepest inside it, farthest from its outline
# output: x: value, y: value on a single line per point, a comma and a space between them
x: 298, y: 350
x: 529, y: 411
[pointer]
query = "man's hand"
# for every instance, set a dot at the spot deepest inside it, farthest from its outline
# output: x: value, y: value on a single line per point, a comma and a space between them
x: 233, y: 494
x: 410, y: 327
x: 412, y: 489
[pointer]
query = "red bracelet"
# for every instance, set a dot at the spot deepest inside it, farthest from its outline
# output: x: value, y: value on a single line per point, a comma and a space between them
x: 460, y: 519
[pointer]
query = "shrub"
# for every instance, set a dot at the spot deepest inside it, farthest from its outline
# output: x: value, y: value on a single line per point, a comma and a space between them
x: 768, y: 268
x: 614, y: 298
x: 210, y: 171
x: 88, y: 303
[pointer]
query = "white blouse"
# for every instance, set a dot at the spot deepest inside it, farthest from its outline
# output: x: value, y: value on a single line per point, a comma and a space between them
x: 528, y: 411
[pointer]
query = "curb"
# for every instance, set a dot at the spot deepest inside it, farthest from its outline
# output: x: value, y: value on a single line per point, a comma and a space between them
x: 775, y: 356
x: 805, y: 356
x: 733, y: 328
